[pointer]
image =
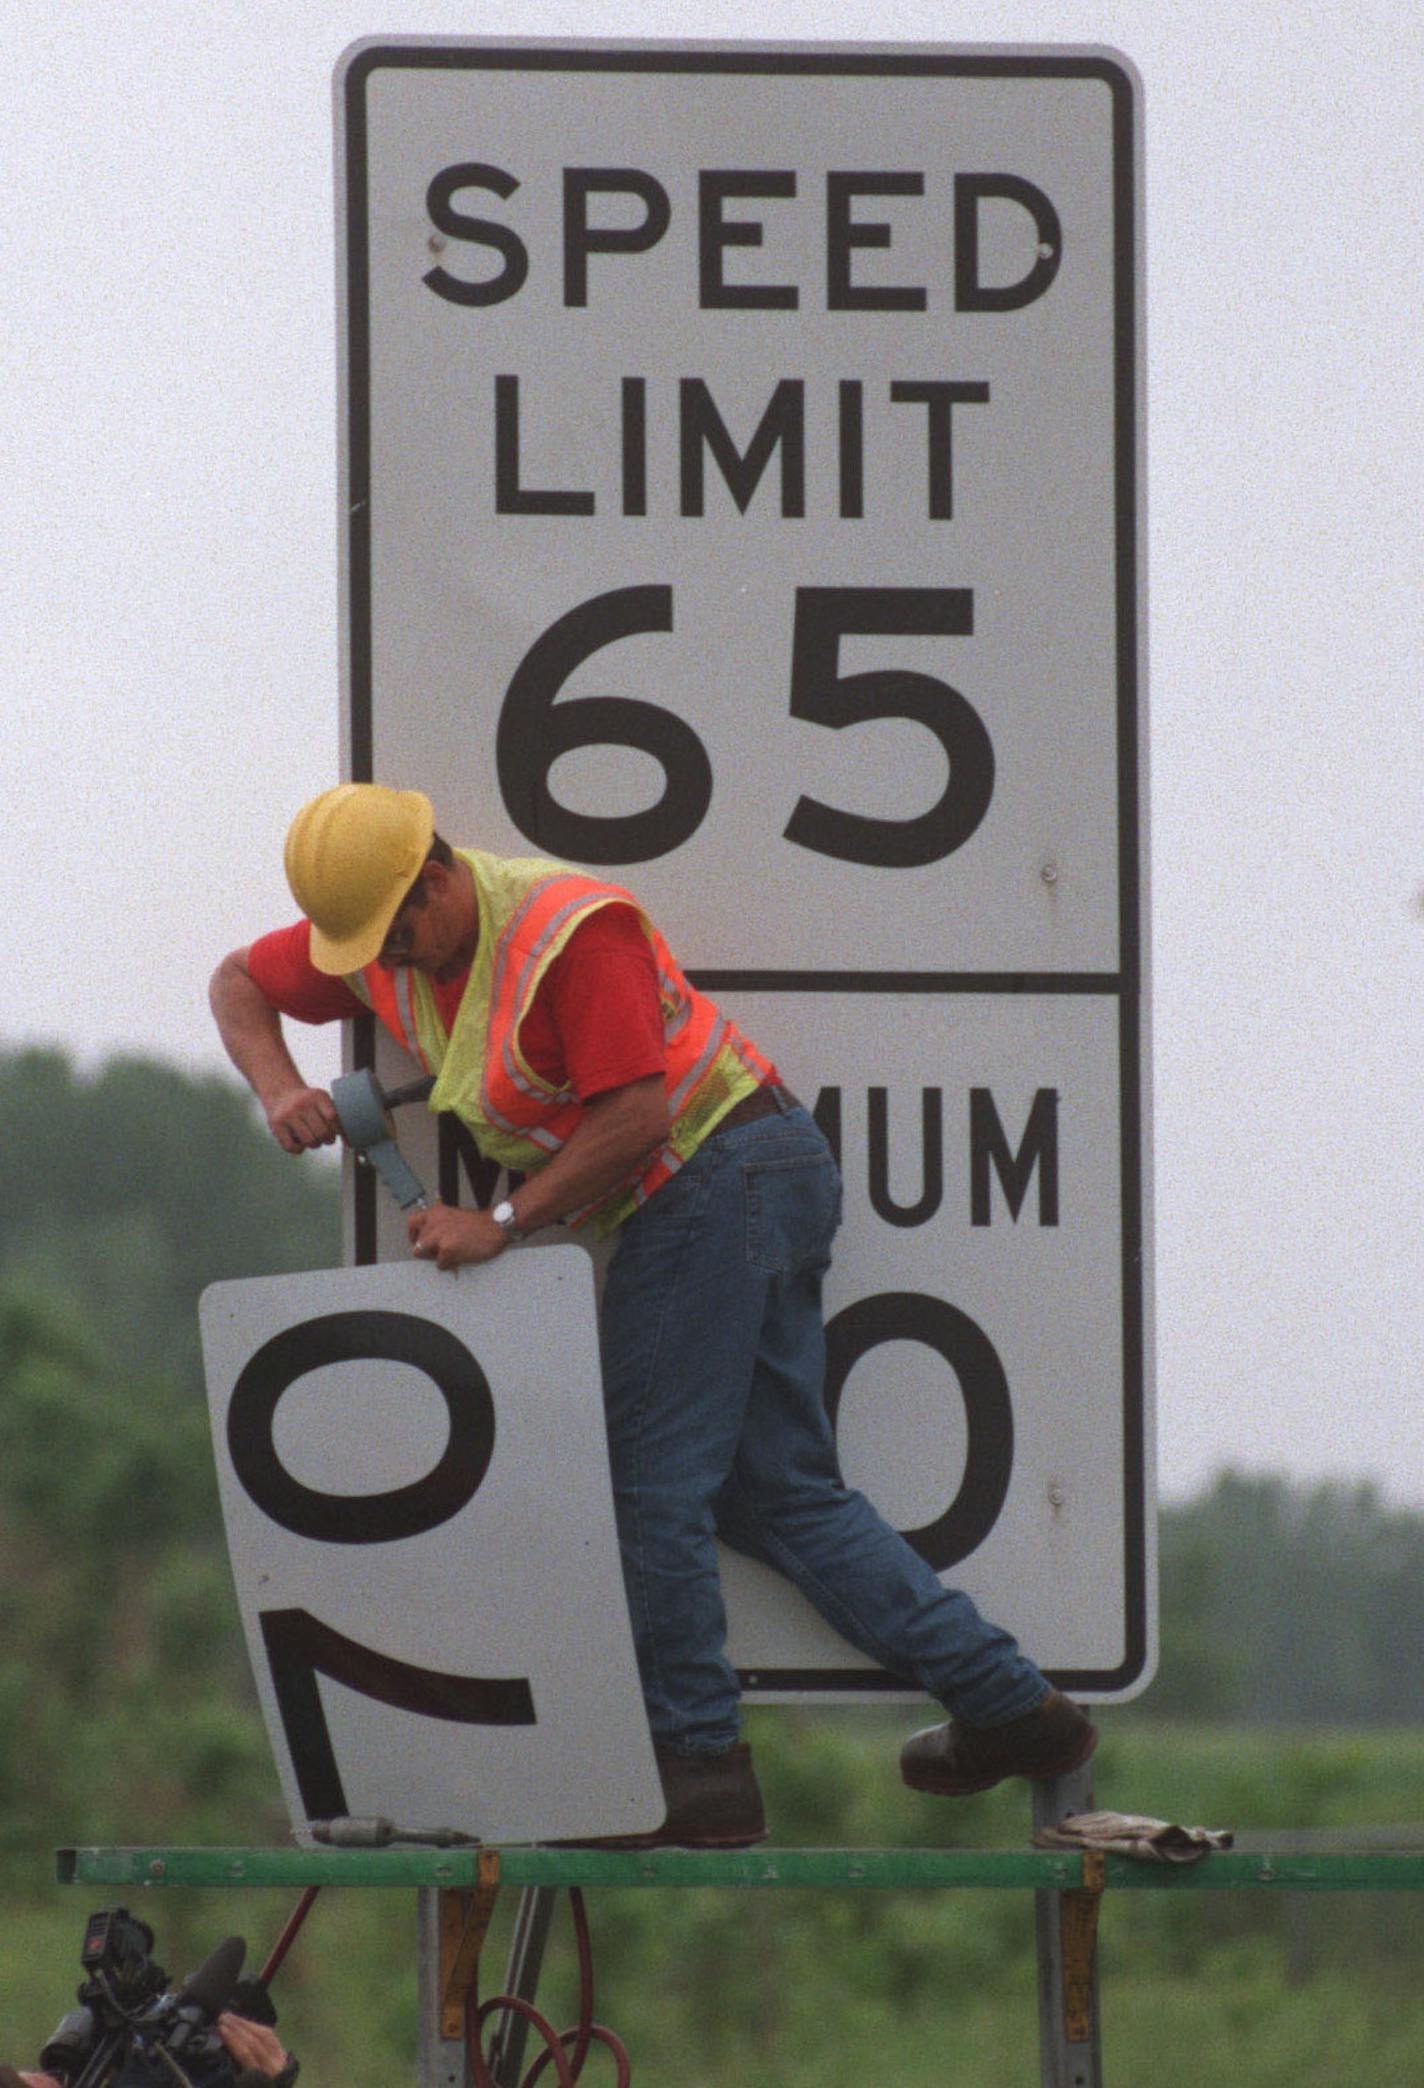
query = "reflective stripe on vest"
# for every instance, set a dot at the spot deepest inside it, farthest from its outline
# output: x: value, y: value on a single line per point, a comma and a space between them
x: 392, y: 998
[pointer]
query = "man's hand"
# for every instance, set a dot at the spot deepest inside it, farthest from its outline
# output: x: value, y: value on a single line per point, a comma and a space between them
x: 252, y: 2044
x: 615, y: 1134
x: 449, y: 1237
x: 303, y: 1118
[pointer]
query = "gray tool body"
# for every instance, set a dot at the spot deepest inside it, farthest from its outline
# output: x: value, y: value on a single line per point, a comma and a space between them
x: 364, y: 1110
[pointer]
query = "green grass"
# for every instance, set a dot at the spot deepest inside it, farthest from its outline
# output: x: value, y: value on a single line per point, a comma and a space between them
x: 715, y: 1990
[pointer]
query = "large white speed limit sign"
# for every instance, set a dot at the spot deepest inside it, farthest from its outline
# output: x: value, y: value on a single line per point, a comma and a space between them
x: 741, y: 482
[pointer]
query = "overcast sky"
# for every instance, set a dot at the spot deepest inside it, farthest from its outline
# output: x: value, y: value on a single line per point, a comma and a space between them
x: 169, y: 620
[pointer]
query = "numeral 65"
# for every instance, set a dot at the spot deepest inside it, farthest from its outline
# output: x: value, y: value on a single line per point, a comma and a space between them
x: 535, y: 729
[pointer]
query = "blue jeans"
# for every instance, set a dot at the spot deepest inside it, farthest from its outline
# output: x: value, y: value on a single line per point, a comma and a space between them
x: 714, y: 1369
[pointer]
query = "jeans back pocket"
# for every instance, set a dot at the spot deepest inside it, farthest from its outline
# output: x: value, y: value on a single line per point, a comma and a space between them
x: 793, y: 1208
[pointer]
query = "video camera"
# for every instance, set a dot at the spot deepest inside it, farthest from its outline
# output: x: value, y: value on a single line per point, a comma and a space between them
x: 129, y: 2031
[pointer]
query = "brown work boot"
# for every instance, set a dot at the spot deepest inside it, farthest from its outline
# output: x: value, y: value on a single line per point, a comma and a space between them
x: 713, y: 1802
x: 955, y: 1760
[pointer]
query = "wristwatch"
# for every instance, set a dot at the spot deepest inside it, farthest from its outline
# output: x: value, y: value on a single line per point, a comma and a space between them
x: 504, y: 1218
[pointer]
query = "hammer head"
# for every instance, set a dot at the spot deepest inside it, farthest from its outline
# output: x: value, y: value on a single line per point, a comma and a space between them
x: 361, y: 1108
x: 364, y: 1115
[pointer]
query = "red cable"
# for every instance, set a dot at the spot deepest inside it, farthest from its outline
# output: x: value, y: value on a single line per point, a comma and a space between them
x: 567, y: 2067
x: 511, y: 2002
x: 598, y: 2034
x: 289, y: 1934
x: 585, y: 2015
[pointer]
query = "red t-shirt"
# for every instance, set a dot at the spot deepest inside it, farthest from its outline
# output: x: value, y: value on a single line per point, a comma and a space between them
x: 595, y: 1022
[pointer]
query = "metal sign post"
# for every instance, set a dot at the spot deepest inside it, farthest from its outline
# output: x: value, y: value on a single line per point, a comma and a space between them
x: 741, y: 453
x: 1066, y: 1924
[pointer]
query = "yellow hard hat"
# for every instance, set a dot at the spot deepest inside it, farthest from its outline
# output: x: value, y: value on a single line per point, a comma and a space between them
x: 352, y: 855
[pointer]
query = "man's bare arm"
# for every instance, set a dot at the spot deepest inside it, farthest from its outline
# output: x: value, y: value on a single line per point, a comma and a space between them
x: 616, y: 1132
x: 298, y: 1116
x: 614, y: 1136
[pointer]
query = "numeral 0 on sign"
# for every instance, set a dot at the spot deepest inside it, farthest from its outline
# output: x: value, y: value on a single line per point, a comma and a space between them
x: 535, y: 729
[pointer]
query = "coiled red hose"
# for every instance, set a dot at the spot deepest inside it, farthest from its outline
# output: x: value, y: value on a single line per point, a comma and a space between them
x: 567, y: 2065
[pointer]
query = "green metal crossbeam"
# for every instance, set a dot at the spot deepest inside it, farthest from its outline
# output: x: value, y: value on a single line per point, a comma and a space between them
x: 1329, y: 1871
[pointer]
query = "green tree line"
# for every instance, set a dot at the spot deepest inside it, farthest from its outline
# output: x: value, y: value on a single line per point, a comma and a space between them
x: 125, y: 1701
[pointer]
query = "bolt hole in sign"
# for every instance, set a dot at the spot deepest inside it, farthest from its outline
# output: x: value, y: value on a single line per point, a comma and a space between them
x: 740, y: 468
x: 414, y: 1481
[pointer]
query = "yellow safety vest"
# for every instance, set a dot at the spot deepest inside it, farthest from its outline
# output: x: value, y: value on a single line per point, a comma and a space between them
x: 528, y: 910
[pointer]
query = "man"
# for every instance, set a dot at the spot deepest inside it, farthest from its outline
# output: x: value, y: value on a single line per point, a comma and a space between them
x: 564, y: 1035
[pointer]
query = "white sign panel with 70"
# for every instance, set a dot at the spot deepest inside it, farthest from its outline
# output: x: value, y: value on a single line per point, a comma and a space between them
x: 416, y: 1494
